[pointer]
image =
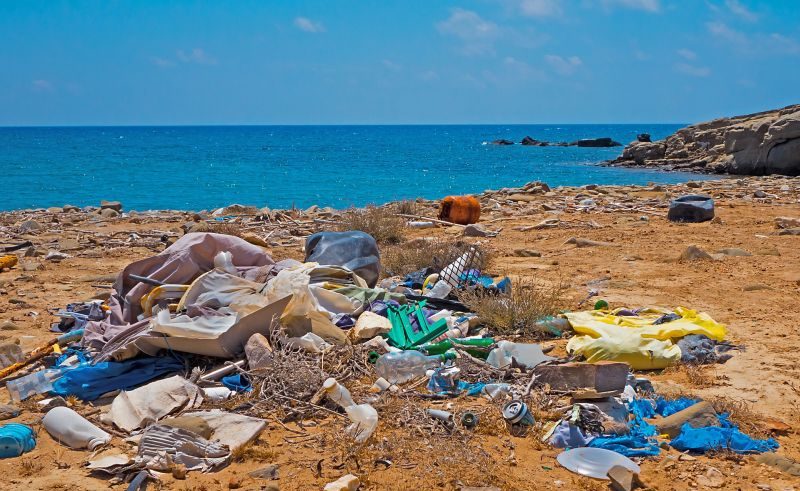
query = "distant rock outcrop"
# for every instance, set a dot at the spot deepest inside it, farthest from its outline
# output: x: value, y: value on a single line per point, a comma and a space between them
x: 502, y: 142
x: 755, y: 144
x: 588, y: 142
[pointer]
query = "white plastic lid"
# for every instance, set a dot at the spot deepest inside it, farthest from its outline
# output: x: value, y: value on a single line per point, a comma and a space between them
x: 594, y: 462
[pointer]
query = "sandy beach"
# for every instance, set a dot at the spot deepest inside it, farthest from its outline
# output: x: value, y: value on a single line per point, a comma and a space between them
x: 633, y: 261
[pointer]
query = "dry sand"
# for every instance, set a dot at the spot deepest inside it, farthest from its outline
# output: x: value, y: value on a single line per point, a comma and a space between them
x: 757, y: 296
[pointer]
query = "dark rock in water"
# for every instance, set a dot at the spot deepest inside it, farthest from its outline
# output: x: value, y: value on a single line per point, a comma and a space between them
x: 693, y: 208
x: 597, y: 142
x: 531, y: 142
x: 641, y: 152
x: 643, y: 137
x: 502, y: 142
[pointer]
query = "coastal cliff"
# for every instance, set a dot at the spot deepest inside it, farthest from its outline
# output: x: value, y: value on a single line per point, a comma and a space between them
x: 754, y: 144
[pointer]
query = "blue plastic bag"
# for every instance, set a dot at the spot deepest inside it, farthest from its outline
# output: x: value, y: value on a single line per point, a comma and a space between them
x: 724, y: 437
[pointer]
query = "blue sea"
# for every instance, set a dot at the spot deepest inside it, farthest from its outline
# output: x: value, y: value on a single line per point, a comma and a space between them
x: 204, y: 167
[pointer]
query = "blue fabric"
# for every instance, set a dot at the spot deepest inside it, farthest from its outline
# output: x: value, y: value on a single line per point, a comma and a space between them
x: 666, y: 407
x: 567, y: 435
x: 726, y: 436
x: 16, y: 439
x: 89, y: 382
x: 237, y: 383
x: 446, y: 386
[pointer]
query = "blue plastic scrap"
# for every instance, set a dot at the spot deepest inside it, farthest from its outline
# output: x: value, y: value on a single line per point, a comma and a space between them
x: 237, y: 383
x: 724, y: 437
x: 88, y: 382
x: 666, y: 407
x: 16, y: 439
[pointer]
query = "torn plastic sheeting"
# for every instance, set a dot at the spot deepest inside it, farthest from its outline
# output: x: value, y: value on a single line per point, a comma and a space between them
x: 229, y: 344
x: 354, y: 250
x: 161, y: 447
x: 217, y: 288
x: 135, y: 409
x: 726, y: 436
x: 635, y: 339
x: 311, y: 308
x: 202, y: 327
x: 89, y: 382
x: 231, y: 429
x: 180, y: 263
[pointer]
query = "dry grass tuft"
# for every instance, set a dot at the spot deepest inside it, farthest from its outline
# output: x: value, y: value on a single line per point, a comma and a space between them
x: 382, y: 223
x: 517, y: 312
x: 29, y: 467
x: 407, y: 207
x: 742, y: 414
x: 253, y: 451
x: 698, y: 376
x: 227, y: 228
x: 402, y: 259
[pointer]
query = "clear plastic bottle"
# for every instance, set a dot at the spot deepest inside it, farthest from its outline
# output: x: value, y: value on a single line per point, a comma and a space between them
x: 32, y: 384
x: 407, y: 365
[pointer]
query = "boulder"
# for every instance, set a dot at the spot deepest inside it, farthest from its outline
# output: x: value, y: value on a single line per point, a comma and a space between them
x: 643, y: 137
x: 108, y: 213
x: 753, y: 144
x: 502, y: 142
x: 531, y: 142
x: 111, y: 205
x: 29, y: 226
x: 693, y: 208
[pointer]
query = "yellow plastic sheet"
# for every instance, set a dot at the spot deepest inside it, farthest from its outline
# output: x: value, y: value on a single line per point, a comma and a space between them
x: 635, y: 339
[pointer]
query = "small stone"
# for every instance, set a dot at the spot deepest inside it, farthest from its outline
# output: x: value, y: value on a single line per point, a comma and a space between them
x: 549, y: 223
x: 787, y: 222
x: 686, y: 457
x: 109, y: 213
x: 733, y: 251
x: 527, y: 253
x: 258, y: 352
x: 111, y: 205
x: 694, y: 253
x: 33, y: 252
x: 8, y: 326
x: 56, y: 256
x: 755, y: 287
x: 179, y: 471
x: 234, y: 482
x: 693, y: 184
x: 369, y: 325
x: 622, y: 478
x: 475, y: 230
x: 347, y: 482
x: 269, y: 472
x: 790, y: 231
x: 57, y: 401
x: 70, y: 208
x: 8, y: 411
x: 713, y: 478
x: 759, y: 194
x: 29, y: 226
x: 54, y: 209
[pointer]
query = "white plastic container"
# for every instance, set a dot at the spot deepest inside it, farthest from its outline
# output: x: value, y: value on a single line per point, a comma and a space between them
x: 529, y: 355
x: 73, y: 430
x: 363, y: 416
x: 32, y: 384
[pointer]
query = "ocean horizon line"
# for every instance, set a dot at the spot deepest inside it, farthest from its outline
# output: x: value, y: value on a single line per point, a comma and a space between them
x: 332, y: 125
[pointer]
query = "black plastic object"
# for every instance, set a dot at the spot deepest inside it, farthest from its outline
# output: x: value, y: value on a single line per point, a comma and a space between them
x: 356, y: 251
x: 692, y: 208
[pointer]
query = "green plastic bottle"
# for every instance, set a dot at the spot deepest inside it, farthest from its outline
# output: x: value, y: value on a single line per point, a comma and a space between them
x: 477, y: 347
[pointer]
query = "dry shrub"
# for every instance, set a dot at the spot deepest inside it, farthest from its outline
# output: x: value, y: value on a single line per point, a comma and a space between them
x: 253, y: 451
x: 29, y: 467
x: 227, y: 228
x: 406, y: 207
x: 518, y: 311
x: 742, y: 414
x: 399, y: 260
x: 382, y: 223
x: 696, y: 375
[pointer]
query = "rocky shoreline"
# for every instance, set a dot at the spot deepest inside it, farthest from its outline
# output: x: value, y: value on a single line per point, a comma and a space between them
x: 754, y: 144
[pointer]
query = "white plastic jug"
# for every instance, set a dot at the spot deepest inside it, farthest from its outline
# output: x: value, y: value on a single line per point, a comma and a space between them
x: 529, y: 355
x: 73, y: 430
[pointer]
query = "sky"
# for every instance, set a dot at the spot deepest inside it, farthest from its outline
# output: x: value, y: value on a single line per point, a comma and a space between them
x: 147, y: 62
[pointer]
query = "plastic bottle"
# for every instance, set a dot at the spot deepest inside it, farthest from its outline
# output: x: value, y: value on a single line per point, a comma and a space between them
x: 73, y: 430
x: 363, y: 416
x: 32, y: 384
x: 529, y: 355
x: 440, y: 290
x: 452, y: 272
x: 554, y: 325
x: 404, y: 366
x: 16, y: 439
x: 477, y: 347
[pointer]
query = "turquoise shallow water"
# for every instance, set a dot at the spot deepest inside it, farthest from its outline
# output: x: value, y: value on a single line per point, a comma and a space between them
x: 279, y: 166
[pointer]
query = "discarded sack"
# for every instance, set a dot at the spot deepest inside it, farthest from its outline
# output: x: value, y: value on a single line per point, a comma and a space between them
x: 355, y: 250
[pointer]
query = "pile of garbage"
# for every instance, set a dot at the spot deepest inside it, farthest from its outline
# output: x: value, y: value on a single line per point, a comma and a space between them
x: 195, y: 344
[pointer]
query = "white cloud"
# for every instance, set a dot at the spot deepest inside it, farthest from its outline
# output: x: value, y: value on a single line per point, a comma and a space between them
x: 724, y: 32
x: 391, y: 65
x: 477, y: 33
x: 687, y: 53
x: 740, y: 10
x: 640, y: 55
x: 308, y: 25
x: 429, y: 76
x: 41, y: 85
x: 784, y: 44
x: 694, y: 71
x: 196, y: 55
x: 162, y: 62
x: 522, y: 70
x: 563, y: 66
x: 646, y: 5
x: 540, y: 8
